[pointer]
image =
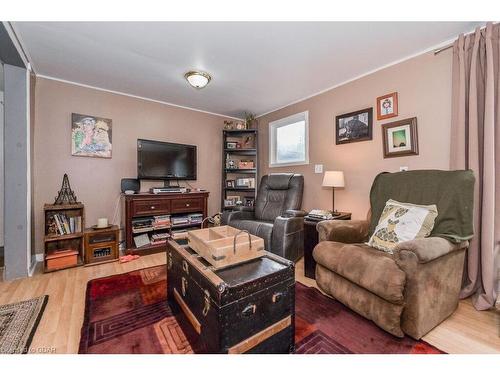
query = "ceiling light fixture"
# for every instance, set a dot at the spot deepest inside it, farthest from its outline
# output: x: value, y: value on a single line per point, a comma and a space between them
x: 197, y: 79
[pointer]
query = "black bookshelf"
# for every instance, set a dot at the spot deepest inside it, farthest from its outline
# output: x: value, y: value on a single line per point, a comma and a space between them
x: 246, y: 151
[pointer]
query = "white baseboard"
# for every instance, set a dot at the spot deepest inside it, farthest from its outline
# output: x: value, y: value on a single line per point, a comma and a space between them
x: 38, y: 258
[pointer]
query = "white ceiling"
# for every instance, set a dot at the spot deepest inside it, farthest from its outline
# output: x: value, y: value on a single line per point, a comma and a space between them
x: 256, y: 67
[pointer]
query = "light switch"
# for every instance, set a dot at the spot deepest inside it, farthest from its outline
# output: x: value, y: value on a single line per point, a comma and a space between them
x: 403, y: 169
x: 318, y: 168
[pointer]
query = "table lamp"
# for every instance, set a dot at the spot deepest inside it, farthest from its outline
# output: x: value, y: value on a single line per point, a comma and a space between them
x: 333, y: 179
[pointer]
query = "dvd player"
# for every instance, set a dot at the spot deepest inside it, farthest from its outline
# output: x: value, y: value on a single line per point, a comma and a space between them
x: 161, y: 190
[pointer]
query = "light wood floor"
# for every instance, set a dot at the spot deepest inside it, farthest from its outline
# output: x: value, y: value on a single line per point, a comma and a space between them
x: 466, y: 331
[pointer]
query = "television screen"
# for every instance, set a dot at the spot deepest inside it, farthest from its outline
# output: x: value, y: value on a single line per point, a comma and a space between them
x: 165, y: 161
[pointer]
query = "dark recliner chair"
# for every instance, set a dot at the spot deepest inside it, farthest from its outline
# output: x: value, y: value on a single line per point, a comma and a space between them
x: 277, y: 217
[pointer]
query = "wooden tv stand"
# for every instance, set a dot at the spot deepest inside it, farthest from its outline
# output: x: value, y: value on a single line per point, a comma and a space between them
x: 143, y: 205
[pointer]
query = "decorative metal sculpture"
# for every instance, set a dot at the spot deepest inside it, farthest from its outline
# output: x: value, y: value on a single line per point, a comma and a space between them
x: 214, y: 220
x: 65, y: 195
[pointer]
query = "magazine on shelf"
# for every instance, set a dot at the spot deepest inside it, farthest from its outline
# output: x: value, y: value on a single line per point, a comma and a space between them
x: 141, y: 240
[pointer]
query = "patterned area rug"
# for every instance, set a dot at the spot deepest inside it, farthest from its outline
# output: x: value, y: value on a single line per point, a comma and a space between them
x: 127, y: 313
x: 18, y: 323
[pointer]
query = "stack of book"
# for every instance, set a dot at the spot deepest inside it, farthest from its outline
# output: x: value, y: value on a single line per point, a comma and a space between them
x: 178, y: 220
x: 159, y: 238
x: 195, y: 218
x: 142, y: 225
x: 64, y: 224
x: 162, y: 221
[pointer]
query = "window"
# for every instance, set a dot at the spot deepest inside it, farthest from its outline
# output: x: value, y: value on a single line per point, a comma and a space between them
x: 289, y: 140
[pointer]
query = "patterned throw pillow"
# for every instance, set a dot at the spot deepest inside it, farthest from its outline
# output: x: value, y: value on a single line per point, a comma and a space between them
x: 401, y: 222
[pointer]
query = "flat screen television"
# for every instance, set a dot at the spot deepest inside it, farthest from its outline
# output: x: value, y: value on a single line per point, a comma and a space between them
x: 165, y: 161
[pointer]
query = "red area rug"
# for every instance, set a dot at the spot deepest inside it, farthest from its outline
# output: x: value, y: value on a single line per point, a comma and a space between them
x: 128, y: 313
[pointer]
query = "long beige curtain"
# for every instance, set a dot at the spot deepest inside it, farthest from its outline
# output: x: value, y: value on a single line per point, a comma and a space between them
x: 475, y: 144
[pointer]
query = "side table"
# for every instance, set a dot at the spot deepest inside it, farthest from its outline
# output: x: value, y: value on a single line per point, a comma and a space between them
x: 311, y: 239
x: 101, y: 245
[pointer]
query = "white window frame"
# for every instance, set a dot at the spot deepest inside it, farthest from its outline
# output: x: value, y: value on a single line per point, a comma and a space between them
x: 273, y: 127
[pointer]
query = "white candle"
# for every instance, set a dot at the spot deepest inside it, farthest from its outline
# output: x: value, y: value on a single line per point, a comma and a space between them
x: 102, y: 222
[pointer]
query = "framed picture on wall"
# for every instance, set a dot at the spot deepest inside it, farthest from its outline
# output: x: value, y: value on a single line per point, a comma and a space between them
x: 354, y: 126
x: 400, y: 138
x: 387, y: 106
x: 91, y: 136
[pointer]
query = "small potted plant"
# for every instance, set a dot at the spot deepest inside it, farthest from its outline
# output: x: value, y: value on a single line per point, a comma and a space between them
x: 250, y: 121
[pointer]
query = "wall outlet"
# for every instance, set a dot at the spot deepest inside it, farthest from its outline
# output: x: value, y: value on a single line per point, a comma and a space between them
x: 403, y: 169
x: 318, y: 168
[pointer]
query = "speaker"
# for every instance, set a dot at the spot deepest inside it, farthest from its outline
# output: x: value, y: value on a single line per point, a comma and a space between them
x: 130, y: 184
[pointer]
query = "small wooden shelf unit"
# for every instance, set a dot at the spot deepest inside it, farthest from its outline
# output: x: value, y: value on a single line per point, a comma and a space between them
x: 54, y: 241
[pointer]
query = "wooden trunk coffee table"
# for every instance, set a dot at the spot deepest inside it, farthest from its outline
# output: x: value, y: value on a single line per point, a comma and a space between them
x: 245, y: 308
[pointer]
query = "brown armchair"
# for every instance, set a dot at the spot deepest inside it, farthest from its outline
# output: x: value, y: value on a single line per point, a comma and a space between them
x: 417, y: 287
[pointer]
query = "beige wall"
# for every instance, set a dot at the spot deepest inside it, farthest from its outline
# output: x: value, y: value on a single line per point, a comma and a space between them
x: 96, y: 182
x: 423, y: 84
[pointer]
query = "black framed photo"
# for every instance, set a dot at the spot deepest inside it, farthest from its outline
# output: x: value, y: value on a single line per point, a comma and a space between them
x: 354, y: 126
x: 231, y: 145
x: 230, y: 184
x: 231, y: 164
x: 249, y: 202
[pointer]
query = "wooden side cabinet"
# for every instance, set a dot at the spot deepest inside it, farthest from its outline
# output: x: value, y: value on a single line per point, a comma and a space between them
x: 311, y: 239
x: 101, y: 245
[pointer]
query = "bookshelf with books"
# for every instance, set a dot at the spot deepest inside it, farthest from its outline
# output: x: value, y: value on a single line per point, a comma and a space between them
x: 63, y: 234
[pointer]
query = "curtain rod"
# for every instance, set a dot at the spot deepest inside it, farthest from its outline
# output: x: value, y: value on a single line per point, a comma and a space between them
x: 441, y: 49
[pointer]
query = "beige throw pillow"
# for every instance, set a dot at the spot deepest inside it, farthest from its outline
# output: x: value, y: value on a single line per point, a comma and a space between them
x: 401, y: 222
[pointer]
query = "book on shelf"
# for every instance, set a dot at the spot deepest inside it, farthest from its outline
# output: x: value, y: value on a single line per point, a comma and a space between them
x: 158, y: 242
x: 63, y: 224
x: 149, y: 224
x: 161, y: 221
x: 142, y: 225
x: 159, y: 236
x: 195, y: 218
x: 180, y: 220
x: 142, y: 222
x: 142, y: 230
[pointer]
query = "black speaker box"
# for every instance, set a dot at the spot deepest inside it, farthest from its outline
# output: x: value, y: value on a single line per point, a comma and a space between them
x: 130, y: 184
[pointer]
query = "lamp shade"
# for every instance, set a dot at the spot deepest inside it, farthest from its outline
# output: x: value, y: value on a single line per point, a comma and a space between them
x: 334, y: 179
